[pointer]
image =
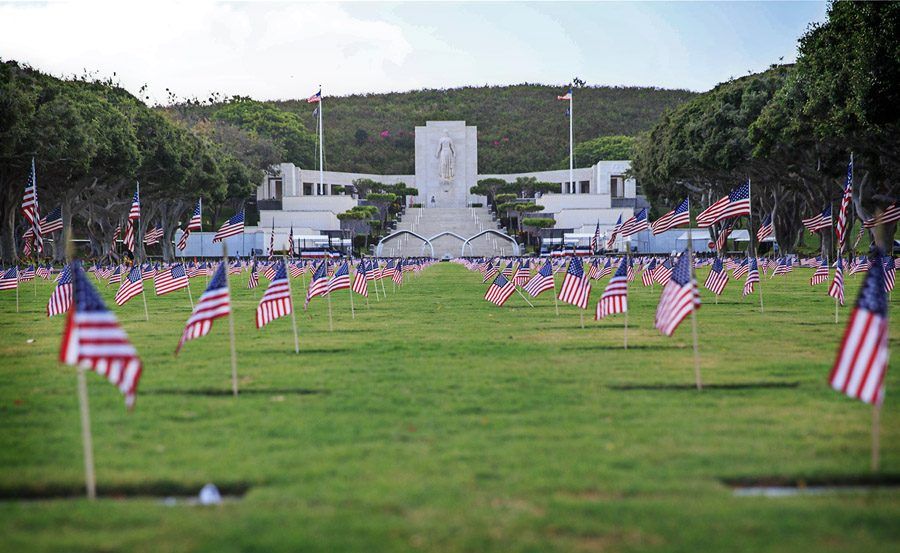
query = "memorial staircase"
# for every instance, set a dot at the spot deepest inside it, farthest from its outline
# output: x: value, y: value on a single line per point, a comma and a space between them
x: 463, y: 223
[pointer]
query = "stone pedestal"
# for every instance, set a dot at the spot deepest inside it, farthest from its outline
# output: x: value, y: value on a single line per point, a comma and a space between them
x: 455, y: 192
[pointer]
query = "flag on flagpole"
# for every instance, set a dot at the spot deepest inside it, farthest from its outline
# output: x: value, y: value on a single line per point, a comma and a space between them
x: 196, y: 223
x: 277, y: 301
x: 214, y: 303
x: 595, y: 239
x: 752, y: 277
x: 681, y: 215
x: 318, y: 286
x: 821, y: 274
x: 679, y: 297
x: 500, y: 290
x: 717, y: 278
x: 94, y: 340
x: 566, y: 96
x: 361, y: 279
x: 541, y: 281
x: 735, y: 204
x: 841, y: 227
x: 31, y: 211
x: 889, y: 215
x: 134, y: 214
x: 315, y: 98
x: 341, y: 278
x: 253, y: 282
x: 635, y: 224
x: 170, y: 279
x: 862, y: 358
x: 615, y: 297
x: 612, y: 235
x: 576, y: 287
x: 132, y: 285
x: 231, y: 227
x: 819, y: 221
x: 61, y: 298
x: 836, y: 290
x: 766, y: 229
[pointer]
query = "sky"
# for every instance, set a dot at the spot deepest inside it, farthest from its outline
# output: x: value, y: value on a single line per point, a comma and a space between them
x: 286, y: 50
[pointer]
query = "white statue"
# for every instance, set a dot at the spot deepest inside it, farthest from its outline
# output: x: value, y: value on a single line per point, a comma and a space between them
x: 446, y: 156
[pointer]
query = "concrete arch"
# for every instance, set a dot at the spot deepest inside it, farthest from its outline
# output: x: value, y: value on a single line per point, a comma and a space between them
x: 453, y: 234
x: 381, y: 242
x: 494, y: 232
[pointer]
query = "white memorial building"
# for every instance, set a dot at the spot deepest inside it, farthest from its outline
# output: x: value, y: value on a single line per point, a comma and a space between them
x: 446, y: 168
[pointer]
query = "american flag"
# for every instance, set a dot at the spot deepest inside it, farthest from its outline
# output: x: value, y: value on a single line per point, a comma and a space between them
x: 594, y: 271
x: 681, y: 215
x: 44, y: 271
x: 315, y: 98
x: 276, y: 302
x: 295, y: 270
x: 576, y: 287
x: 821, y: 274
x: 752, y: 277
x: 318, y: 286
x: 500, y: 290
x: 509, y: 270
x: 94, y: 340
x: 61, y: 298
x: 735, y: 204
x: 232, y: 227
x: 341, y: 278
x: 615, y: 297
x: 116, y: 276
x: 541, y: 281
x: 253, y: 282
x: 566, y: 96
x: 214, y: 303
x: 153, y: 236
x: 132, y: 285
x: 784, y: 267
x: 361, y: 279
x: 291, y: 241
x: 131, y: 229
x: 196, y: 223
x: 862, y: 264
x: 52, y: 222
x: 523, y: 273
x: 836, y: 289
x: 889, y: 271
x: 235, y: 268
x: 116, y: 234
x: 663, y: 273
x: 489, y: 273
x: 679, y: 297
x: 741, y: 269
x: 635, y: 224
x: 30, y: 210
x: 612, y: 235
x: 724, y: 233
x: 272, y: 241
x: 398, y: 272
x: 717, y: 278
x: 766, y: 229
x: 10, y: 279
x: 170, y: 279
x: 647, y: 274
x: 595, y: 239
x: 605, y: 270
x: 269, y: 273
x: 841, y: 228
x: 862, y: 358
x: 889, y: 215
x: 27, y: 274
x: 820, y: 221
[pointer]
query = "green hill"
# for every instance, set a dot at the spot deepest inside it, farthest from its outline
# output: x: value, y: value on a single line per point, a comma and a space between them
x: 520, y: 127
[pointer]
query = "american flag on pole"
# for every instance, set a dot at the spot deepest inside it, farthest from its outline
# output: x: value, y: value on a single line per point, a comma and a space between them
x: 541, y: 281
x: 276, y: 302
x: 341, y: 278
x: 889, y: 270
x: 647, y: 273
x: 116, y: 234
x: 663, y: 272
x: 724, y: 233
x: 576, y: 287
x: 52, y: 221
x: 27, y: 274
x: 820, y: 275
x: 315, y: 98
x: 500, y: 290
x: 679, y: 297
x: 272, y: 241
x: 214, y: 303
x: 318, y: 286
x: 741, y: 269
x: 134, y: 214
x: 842, y: 222
x: 61, y: 298
x: 766, y: 229
x: 153, y: 236
x: 595, y: 239
x: 784, y: 267
x: 232, y: 227
x: 735, y: 204
x: 361, y: 279
x: 717, y: 278
x: 523, y: 273
x: 612, y: 235
x: 566, y: 96
x: 291, y: 241
x: 836, y: 289
x: 605, y: 270
x: 253, y: 281
x: 889, y: 215
x: 398, y: 272
x: 196, y: 223
x: 170, y: 279
x: 615, y: 296
x: 10, y: 279
x: 116, y: 276
x: 30, y: 210
x: 635, y: 224
x: 94, y: 340
x: 681, y: 215
x: 132, y: 285
x: 862, y: 358
x: 819, y: 221
x: 752, y: 277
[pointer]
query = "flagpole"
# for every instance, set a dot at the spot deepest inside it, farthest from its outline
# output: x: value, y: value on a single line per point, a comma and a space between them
x: 330, y: 317
x: 293, y: 313
x: 752, y: 243
x: 553, y: 278
x: 571, y: 143
x: 321, y: 145
x: 87, y: 442
x: 17, y: 287
x: 697, y: 379
x: 190, y: 296
x: 144, y: 296
x: 234, y: 381
x: 627, y: 266
x: 352, y: 310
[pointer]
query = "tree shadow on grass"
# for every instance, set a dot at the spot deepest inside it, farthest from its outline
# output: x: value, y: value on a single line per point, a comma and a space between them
x: 692, y: 387
x: 158, y: 489
x: 216, y: 392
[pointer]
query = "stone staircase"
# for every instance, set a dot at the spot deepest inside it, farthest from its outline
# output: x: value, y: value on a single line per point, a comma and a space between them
x: 464, y: 222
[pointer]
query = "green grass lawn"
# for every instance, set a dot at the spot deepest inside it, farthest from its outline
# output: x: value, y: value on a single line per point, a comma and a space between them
x: 436, y: 421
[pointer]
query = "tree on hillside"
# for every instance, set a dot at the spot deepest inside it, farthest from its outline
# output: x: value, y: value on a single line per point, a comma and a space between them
x: 601, y: 148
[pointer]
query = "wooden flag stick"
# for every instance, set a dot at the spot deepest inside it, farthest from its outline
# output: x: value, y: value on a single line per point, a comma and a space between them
x: 876, y: 428
x: 190, y: 297
x: 144, y: 297
x: 87, y: 441
x: 523, y: 297
x: 293, y: 313
x: 555, y: 299
x: 234, y: 377
x: 626, y: 327
x: 18, y: 282
x: 330, y: 317
x: 352, y: 310
x: 697, y: 379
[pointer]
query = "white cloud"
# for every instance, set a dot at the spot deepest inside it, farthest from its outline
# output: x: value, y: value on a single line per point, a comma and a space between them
x: 261, y: 50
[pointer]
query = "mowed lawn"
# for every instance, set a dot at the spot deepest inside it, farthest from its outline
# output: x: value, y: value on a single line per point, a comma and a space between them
x: 435, y: 421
